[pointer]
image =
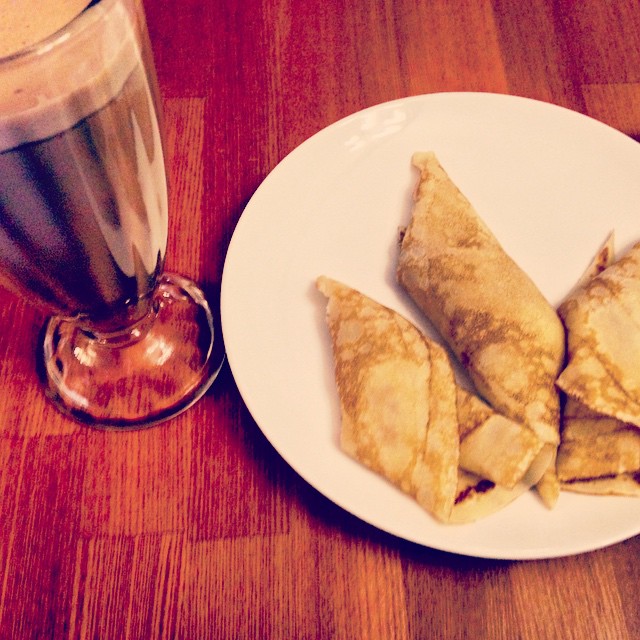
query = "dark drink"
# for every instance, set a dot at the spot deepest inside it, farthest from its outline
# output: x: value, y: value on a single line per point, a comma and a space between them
x: 83, y: 217
x: 83, y: 206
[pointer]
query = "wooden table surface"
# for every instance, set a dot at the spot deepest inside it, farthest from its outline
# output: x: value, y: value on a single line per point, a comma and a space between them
x: 197, y: 528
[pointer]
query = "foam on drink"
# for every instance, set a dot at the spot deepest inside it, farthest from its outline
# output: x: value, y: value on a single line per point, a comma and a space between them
x: 27, y: 22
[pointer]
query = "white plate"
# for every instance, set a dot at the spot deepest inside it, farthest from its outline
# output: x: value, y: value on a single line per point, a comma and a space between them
x: 549, y: 182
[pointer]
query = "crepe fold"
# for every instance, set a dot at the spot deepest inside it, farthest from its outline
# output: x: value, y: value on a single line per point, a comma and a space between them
x: 598, y: 454
x: 492, y: 315
x: 492, y: 446
x: 397, y: 396
x: 404, y: 416
x: 603, y: 341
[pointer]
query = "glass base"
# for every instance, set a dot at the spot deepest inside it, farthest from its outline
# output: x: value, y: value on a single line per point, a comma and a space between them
x: 142, y: 375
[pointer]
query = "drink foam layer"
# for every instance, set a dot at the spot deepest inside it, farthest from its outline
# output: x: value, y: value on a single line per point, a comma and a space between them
x: 40, y: 98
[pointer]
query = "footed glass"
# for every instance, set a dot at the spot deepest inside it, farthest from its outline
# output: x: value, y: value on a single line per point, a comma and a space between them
x: 84, y: 219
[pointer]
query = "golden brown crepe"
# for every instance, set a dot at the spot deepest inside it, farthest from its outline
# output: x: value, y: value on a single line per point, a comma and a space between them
x: 495, y: 319
x: 491, y: 446
x: 477, y: 497
x: 499, y: 460
x: 598, y: 454
x: 404, y: 416
x: 623, y: 484
x: 398, y: 398
x: 603, y: 338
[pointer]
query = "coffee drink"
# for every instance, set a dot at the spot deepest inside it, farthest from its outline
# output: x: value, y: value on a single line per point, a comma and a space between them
x: 83, y: 202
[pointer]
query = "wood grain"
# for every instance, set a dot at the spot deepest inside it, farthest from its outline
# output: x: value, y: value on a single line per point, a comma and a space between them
x: 197, y: 528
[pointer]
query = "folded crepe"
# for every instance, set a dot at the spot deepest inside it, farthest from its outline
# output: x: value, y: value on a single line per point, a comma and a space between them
x: 499, y: 460
x: 404, y: 416
x: 602, y: 320
x: 494, y: 318
x: 477, y: 497
x: 397, y: 395
x: 492, y: 446
x: 598, y: 454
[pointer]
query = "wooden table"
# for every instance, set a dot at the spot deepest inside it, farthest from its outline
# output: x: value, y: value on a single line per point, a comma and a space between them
x: 197, y: 528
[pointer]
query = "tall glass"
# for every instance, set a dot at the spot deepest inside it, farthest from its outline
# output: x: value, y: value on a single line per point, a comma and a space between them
x: 83, y: 223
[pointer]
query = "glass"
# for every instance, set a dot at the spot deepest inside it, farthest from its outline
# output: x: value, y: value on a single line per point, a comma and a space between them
x: 84, y: 218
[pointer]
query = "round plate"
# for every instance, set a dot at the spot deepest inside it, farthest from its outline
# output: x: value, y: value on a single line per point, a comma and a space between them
x: 549, y: 182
